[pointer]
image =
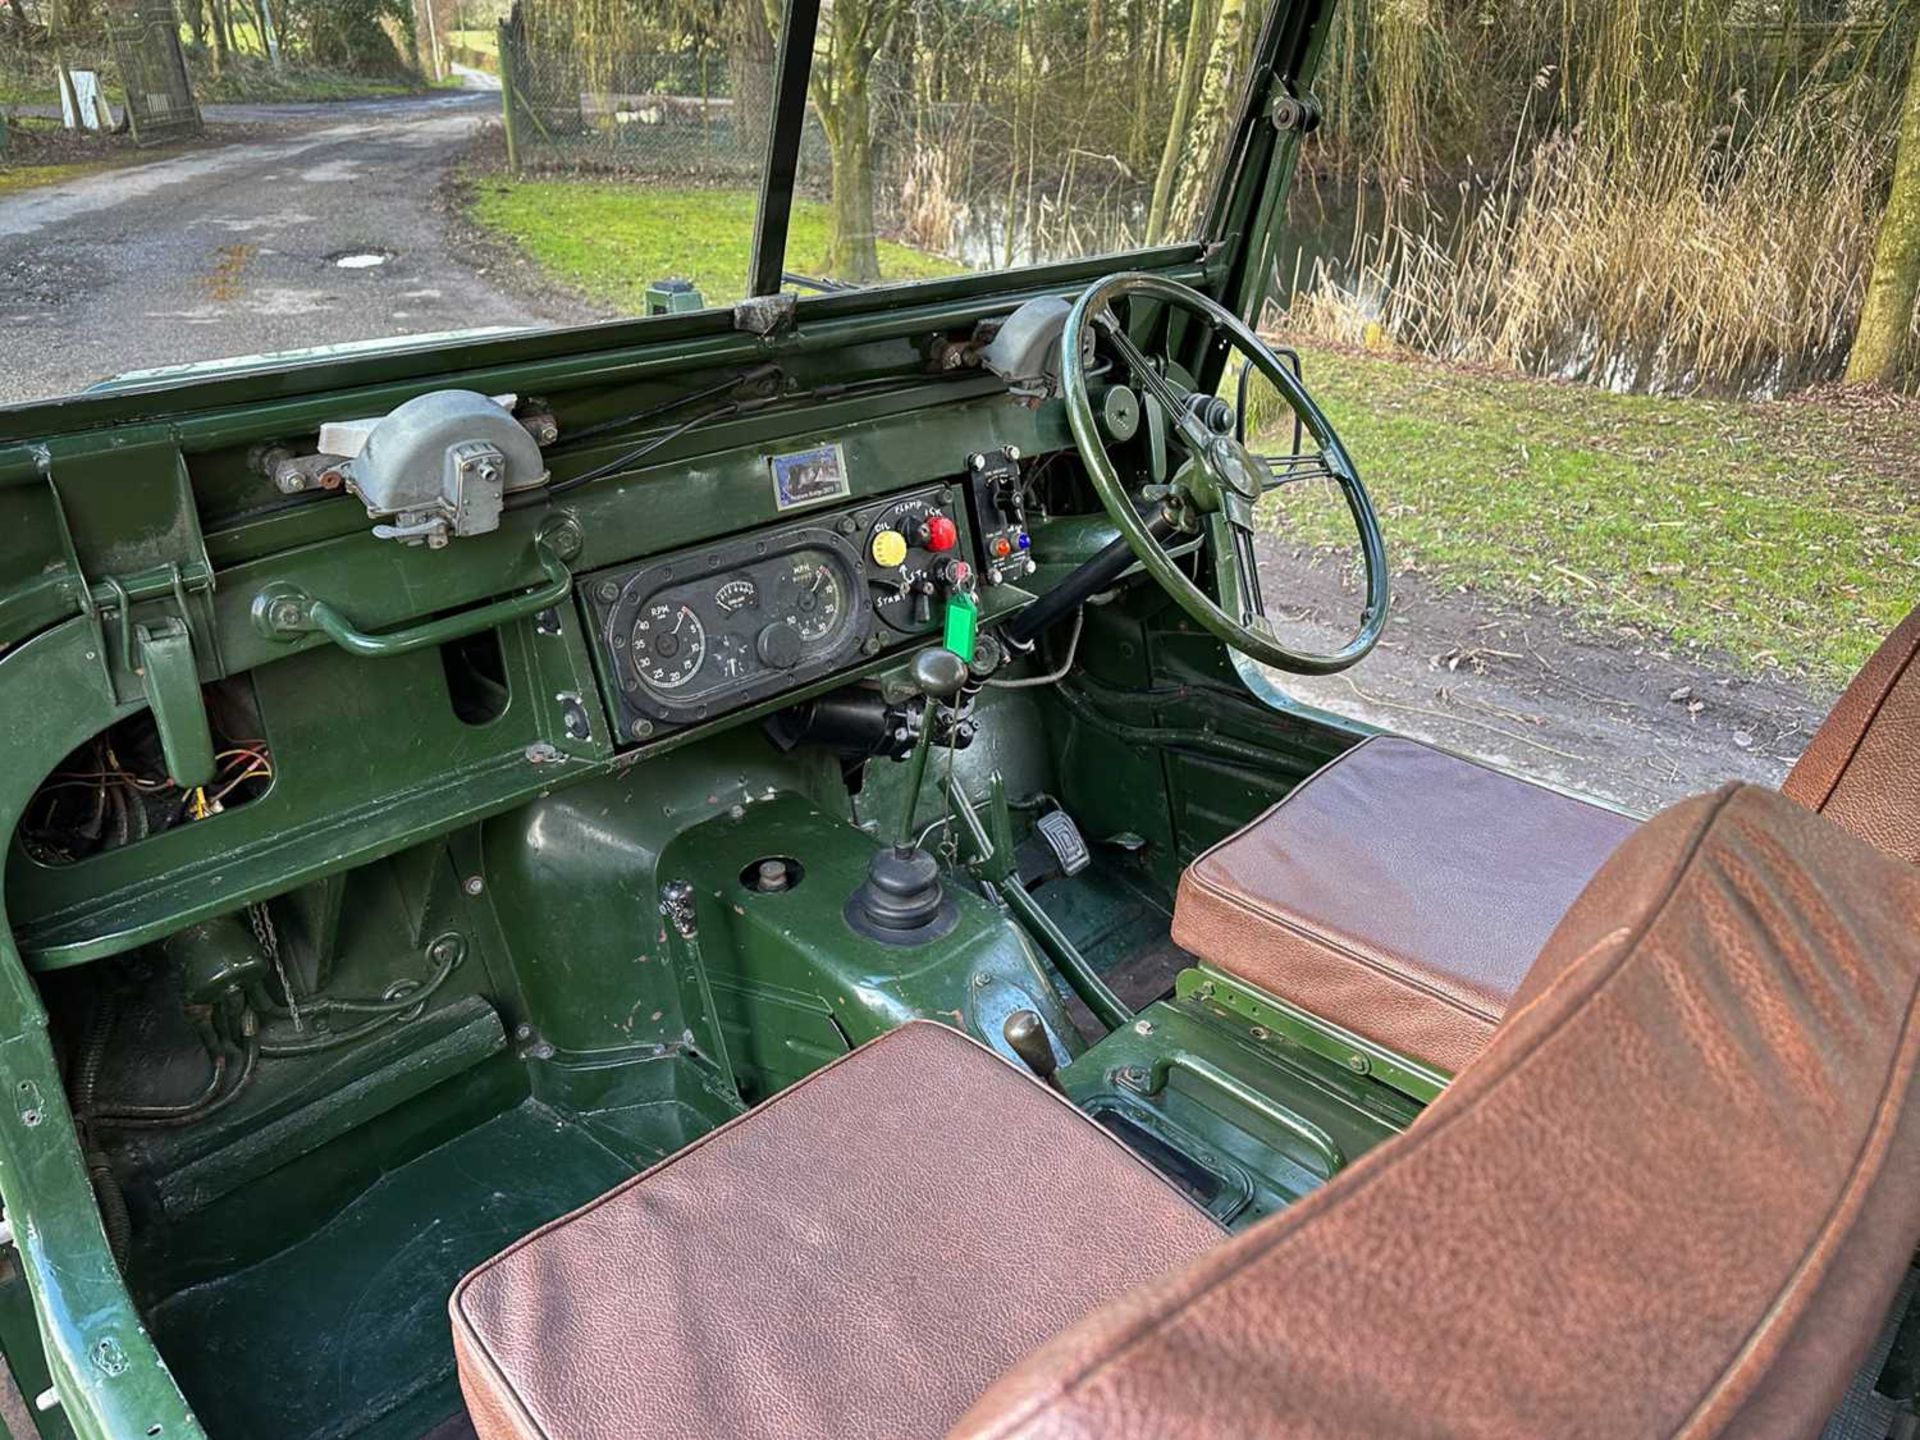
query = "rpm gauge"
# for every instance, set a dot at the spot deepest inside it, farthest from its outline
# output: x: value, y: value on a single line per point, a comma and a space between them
x: 669, y: 644
x: 817, y: 596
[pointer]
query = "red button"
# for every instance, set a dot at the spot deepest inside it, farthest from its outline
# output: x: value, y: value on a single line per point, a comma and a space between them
x: 1002, y: 546
x: 942, y: 533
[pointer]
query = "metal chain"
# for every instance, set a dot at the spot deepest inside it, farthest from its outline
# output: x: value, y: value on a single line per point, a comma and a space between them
x: 269, y: 939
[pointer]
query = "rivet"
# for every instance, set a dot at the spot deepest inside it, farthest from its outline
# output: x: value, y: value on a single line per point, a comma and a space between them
x: 474, y: 885
x: 1143, y: 1027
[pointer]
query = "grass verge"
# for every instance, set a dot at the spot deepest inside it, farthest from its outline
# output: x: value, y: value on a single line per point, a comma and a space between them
x: 14, y: 179
x: 1784, y: 533
x: 609, y: 240
x: 251, y: 80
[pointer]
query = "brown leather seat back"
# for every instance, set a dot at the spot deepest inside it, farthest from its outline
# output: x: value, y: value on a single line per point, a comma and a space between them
x: 1675, y: 1195
x: 1862, y: 770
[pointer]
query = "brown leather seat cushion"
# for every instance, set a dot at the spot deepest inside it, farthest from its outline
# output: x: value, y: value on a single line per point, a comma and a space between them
x: 861, y: 1255
x: 1400, y: 892
x: 1675, y: 1196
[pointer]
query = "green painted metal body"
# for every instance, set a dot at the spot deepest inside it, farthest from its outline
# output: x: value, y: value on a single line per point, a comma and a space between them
x: 1267, y: 1119
x: 142, y: 549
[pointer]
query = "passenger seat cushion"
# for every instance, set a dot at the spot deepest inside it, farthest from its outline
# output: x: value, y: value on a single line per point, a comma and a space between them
x: 860, y: 1256
x: 1862, y: 770
x: 1401, y: 892
x: 1676, y: 1195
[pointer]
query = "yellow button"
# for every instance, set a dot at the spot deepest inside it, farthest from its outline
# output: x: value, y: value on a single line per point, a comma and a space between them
x: 889, y: 548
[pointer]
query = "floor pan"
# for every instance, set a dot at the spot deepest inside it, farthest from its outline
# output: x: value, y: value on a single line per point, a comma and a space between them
x: 346, y: 1334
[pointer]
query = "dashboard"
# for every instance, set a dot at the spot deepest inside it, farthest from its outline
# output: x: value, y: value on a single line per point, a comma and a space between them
x: 687, y: 637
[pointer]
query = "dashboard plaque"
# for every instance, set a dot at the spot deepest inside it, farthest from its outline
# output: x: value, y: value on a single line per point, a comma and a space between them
x: 807, y: 477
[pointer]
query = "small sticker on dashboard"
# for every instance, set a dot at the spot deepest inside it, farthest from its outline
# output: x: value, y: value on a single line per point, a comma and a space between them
x: 807, y: 477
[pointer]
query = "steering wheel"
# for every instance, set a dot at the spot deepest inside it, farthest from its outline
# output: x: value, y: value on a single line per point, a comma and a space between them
x: 1214, y: 489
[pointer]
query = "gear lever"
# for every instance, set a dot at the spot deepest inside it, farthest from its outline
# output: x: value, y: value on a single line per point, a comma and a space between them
x: 902, y: 902
x: 1026, y: 1036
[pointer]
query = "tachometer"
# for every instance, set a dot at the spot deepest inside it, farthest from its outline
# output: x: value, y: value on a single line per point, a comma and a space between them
x: 818, y: 598
x: 669, y: 644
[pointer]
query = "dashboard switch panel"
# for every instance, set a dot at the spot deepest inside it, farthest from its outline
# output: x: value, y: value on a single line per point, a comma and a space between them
x: 913, y: 543
x: 1000, y: 516
x: 703, y: 631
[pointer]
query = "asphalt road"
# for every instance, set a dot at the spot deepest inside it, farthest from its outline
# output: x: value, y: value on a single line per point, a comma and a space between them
x: 238, y: 249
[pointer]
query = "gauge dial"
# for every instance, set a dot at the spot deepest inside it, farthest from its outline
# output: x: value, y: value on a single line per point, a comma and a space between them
x: 733, y: 655
x: 669, y: 644
x: 818, y: 599
x: 736, y: 594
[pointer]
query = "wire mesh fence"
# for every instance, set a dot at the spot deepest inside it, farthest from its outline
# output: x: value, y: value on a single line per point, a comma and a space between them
x: 695, y: 113
x: 146, y: 44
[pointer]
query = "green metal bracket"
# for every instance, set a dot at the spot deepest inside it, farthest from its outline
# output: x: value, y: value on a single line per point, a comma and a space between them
x: 1228, y: 996
x: 286, y: 612
x: 112, y: 576
x: 679, y: 907
x: 167, y: 665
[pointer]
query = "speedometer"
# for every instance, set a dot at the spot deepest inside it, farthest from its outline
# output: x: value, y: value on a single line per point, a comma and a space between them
x: 817, y: 598
x: 669, y: 644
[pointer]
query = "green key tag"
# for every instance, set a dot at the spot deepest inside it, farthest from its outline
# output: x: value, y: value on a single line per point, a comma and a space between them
x: 963, y: 624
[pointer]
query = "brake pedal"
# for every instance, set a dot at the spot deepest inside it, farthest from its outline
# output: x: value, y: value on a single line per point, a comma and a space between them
x: 1063, y: 838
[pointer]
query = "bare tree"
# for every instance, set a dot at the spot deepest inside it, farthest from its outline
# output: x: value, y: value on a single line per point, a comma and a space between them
x: 1888, y: 312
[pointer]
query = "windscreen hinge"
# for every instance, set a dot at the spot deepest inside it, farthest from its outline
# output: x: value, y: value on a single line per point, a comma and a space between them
x: 1292, y: 113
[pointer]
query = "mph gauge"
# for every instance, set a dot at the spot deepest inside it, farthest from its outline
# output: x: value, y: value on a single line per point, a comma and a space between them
x: 817, y: 597
x: 669, y: 644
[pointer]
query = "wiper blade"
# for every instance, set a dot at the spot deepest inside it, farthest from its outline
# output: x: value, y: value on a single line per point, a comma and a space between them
x: 816, y: 282
x: 763, y: 380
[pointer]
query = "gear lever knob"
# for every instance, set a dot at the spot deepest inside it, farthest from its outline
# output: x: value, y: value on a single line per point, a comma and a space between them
x: 938, y: 672
x: 1026, y: 1036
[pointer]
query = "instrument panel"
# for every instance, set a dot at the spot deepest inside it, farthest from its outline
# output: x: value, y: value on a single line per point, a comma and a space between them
x: 691, y: 636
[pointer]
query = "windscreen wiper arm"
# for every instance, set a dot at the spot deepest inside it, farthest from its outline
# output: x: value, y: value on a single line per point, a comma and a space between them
x: 815, y: 282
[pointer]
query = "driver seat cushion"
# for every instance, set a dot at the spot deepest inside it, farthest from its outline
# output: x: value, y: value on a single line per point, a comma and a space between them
x: 862, y: 1255
x: 1400, y: 892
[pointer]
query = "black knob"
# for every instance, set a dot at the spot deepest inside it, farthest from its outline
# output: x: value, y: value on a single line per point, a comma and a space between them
x: 1027, y: 1037
x: 779, y: 645
x: 938, y: 672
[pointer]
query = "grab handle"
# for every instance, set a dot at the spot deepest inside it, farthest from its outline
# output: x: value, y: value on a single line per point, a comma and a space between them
x: 286, y: 612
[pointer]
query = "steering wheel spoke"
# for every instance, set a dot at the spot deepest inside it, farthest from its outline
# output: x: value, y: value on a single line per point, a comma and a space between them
x: 1173, y: 398
x: 1220, y: 481
x: 1284, y: 470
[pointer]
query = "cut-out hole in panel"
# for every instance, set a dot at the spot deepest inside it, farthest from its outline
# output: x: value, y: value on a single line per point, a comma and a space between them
x: 476, y: 677
x: 115, y: 791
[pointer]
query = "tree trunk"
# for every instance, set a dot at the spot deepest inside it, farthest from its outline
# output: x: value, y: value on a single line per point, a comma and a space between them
x: 842, y: 93
x: 197, y: 22
x: 1888, y: 312
x: 1212, y: 115
x: 1183, y: 102
x: 853, y: 253
x: 750, y: 77
x: 222, y: 36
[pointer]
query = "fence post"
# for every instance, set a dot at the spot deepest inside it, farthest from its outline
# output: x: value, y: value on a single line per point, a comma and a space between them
x: 507, y: 88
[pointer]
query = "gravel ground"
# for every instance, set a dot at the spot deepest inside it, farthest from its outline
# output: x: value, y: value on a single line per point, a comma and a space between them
x: 236, y: 249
